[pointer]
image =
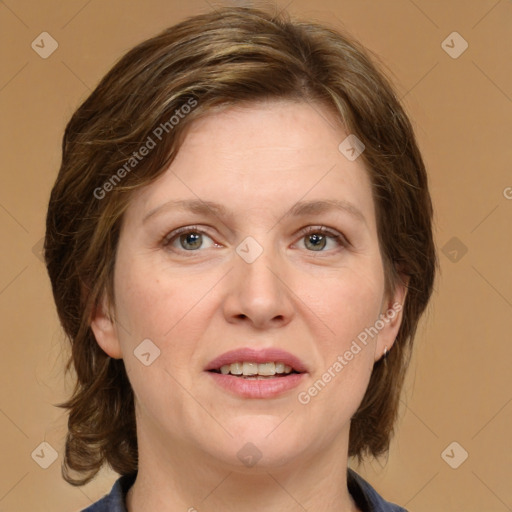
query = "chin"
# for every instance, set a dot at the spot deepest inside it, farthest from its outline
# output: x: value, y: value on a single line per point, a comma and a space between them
x: 256, y: 446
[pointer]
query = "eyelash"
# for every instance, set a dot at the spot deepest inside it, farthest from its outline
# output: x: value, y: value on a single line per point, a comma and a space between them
x: 323, y: 230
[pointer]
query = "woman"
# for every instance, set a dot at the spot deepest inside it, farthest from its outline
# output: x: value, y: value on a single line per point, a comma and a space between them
x: 240, y: 247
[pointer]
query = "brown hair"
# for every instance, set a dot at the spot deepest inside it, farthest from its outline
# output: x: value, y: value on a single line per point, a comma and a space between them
x: 211, y: 61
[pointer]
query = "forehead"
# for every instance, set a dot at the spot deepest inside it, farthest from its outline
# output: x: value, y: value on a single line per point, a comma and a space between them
x: 266, y: 127
x: 264, y: 155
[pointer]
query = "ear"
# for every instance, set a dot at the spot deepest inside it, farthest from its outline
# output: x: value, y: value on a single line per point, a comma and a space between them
x: 391, y: 316
x: 104, y: 329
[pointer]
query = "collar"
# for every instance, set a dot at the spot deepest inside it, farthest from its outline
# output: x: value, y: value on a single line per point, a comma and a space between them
x: 365, y: 496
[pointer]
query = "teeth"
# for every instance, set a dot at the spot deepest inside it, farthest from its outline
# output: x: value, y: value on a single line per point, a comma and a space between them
x: 267, y: 368
x: 250, y: 369
x: 236, y: 368
x: 279, y: 367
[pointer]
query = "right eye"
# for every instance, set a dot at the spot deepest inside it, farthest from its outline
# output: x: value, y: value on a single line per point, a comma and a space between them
x: 187, y: 239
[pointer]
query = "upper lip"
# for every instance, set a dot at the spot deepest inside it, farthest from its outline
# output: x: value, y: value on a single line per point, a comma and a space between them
x: 265, y: 355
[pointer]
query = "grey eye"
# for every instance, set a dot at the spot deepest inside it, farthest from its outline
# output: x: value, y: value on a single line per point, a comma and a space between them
x: 318, y: 241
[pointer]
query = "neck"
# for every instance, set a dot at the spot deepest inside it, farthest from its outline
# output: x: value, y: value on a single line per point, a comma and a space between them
x: 178, y: 478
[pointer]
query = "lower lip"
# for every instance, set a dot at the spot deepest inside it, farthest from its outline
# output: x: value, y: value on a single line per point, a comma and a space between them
x: 264, y: 388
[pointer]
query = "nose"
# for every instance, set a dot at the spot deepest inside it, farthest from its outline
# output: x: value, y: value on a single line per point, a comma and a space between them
x: 259, y: 292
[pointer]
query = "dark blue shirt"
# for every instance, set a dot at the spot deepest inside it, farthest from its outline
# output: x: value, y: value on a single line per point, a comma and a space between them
x: 365, y: 496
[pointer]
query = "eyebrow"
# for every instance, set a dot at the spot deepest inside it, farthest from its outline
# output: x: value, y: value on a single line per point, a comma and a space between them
x: 301, y: 208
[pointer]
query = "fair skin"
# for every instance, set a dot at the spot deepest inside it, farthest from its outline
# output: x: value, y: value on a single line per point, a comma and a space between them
x: 198, y: 299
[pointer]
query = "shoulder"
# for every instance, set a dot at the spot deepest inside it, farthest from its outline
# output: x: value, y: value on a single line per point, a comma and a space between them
x: 115, y: 500
x: 366, y: 497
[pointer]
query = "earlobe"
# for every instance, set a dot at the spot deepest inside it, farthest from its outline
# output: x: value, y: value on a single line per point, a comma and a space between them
x: 104, y: 329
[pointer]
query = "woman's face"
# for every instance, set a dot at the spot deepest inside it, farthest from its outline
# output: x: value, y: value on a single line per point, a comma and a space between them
x: 252, y: 270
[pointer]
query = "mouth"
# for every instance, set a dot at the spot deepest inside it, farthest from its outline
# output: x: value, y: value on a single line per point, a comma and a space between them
x: 251, y: 373
x: 251, y: 370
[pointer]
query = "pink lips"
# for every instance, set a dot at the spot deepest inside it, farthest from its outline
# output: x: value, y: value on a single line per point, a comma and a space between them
x: 256, y: 388
x: 257, y: 356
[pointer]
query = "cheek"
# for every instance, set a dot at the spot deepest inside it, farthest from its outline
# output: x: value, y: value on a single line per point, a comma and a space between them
x: 350, y: 307
x: 151, y: 304
x: 162, y: 311
x: 350, y: 304
x: 172, y: 311
x: 348, y: 355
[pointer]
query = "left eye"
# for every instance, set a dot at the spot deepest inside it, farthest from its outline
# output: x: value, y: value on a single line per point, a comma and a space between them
x: 319, y: 236
x: 191, y: 238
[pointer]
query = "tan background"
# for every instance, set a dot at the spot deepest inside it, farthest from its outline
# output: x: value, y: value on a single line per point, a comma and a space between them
x: 459, y: 386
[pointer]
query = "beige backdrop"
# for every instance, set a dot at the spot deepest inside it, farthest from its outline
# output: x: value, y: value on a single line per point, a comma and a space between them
x: 459, y: 387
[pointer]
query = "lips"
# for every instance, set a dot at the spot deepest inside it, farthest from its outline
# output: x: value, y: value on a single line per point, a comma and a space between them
x: 257, y: 387
x: 257, y: 356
